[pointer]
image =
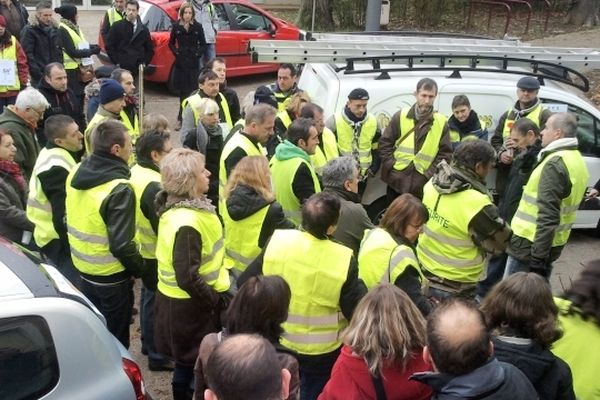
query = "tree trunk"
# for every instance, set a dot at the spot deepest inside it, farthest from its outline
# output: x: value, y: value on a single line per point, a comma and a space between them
x: 583, y: 12
x: 323, y: 15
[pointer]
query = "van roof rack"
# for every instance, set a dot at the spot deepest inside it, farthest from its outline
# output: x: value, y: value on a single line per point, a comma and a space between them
x: 429, y: 37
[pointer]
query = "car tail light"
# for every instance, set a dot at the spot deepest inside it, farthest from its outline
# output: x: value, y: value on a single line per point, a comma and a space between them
x: 135, y: 376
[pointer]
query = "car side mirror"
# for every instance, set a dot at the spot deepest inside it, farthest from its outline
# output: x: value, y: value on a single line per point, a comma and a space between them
x: 272, y: 30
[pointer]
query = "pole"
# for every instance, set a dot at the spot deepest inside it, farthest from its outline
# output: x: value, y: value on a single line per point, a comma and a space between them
x: 314, y: 11
x: 141, y: 97
x: 373, y: 15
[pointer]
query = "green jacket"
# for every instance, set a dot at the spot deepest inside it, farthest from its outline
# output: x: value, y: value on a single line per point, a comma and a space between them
x: 24, y: 137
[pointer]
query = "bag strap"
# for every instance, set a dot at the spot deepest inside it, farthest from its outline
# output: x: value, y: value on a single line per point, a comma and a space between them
x: 379, y: 389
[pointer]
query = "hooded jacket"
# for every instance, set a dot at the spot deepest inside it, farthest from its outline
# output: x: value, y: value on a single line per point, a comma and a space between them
x: 549, y: 375
x: 117, y: 209
x: 24, y: 136
x: 494, y: 380
x: 302, y: 182
x: 127, y: 48
x: 13, y: 200
x: 42, y: 45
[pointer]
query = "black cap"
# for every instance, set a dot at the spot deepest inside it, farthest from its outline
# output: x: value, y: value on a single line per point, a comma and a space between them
x: 528, y: 83
x: 265, y: 95
x: 358, y: 94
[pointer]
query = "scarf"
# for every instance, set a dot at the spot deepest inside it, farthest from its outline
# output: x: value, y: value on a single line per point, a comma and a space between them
x: 521, y: 113
x: 14, y: 170
x: 165, y: 201
x: 71, y: 25
x: 423, y: 113
x: 214, y: 130
x: 471, y: 124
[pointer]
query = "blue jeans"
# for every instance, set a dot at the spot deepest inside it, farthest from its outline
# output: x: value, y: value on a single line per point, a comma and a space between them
x: 209, y: 53
x: 147, y: 325
x: 513, y: 266
x: 495, y: 272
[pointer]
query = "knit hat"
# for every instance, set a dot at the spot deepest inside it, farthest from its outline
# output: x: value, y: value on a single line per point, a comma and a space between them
x: 358, y: 94
x: 67, y: 11
x: 104, y: 71
x: 265, y: 95
x: 2, y: 21
x: 528, y: 83
x: 110, y: 90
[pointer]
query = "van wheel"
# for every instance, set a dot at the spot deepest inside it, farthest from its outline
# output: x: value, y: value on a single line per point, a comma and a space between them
x: 171, y: 82
x: 376, y: 209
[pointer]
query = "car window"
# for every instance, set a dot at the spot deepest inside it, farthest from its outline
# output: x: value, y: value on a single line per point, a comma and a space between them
x: 588, y: 128
x: 28, y: 362
x: 223, y: 21
x: 155, y: 19
x: 248, y: 19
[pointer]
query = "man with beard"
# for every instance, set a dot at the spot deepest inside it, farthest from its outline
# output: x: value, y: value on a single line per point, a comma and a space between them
x: 129, y: 116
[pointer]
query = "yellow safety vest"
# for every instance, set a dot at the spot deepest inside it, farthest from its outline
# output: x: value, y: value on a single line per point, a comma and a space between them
x: 97, y: 119
x: 455, y: 135
x: 211, y: 263
x: 445, y: 247
x: 145, y: 236
x: 285, y: 119
x: 315, y: 320
x: 39, y: 209
x: 360, y: 146
x: 87, y: 232
x: 194, y: 102
x: 134, y: 130
x: 382, y: 260
x: 282, y: 99
x: 534, y: 116
x: 283, y: 173
x: 524, y: 223
x: 113, y: 16
x: 328, y: 153
x: 405, y: 151
x: 241, y: 141
x: 241, y: 239
x: 9, y: 53
x: 76, y: 38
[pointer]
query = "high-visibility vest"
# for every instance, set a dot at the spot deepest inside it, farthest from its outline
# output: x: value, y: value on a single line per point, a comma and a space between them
x: 315, y: 320
x: 76, y: 38
x: 283, y: 99
x: 87, y: 232
x: 524, y: 223
x: 284, y: 117
x: 96, y: 120
x: 134, y: 130
x: 194, y: 103
x: 405, y: 150
x: 241, y: 239
x: 445, y: 247
x: 283, y: 172
x: 382, y: 260
x: 39, y: 209
x: 328, y: 153
x: 455, y: 135
x: 237, y: 140
x: 113, y: 16
x: 9, y: 53
x: 211, y: 259
x: 145, y: 236
x: 534, y: 116
x: 357, y: 144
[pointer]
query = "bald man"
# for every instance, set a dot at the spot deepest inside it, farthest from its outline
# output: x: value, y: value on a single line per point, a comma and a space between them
x: 461, y: 353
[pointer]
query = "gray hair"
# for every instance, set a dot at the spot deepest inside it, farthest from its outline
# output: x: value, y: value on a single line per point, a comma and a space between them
x: 567, y: 123
x: 339, y: 170
x: 31, y: 98
x: 259, y: 113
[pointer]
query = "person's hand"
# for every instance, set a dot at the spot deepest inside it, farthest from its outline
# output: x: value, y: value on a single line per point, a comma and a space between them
x: 592, y: 193
x: 95, y: 49
x: 506, y: 158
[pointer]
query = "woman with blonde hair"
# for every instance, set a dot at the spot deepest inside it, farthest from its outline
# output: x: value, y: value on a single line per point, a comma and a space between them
x: 285, y: 118
x: 251, y: 213
x: 192, y: 284
x: 382, y: 349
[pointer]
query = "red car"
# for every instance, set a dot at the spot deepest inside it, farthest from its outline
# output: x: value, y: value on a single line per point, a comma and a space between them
x: 239, y: 22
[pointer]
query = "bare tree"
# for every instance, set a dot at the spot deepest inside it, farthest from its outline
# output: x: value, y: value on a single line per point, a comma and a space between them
x: 583, y: 12
x: 323, y: 14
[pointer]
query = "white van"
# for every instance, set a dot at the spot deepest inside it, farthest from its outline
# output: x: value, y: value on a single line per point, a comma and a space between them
x: 490, y: 94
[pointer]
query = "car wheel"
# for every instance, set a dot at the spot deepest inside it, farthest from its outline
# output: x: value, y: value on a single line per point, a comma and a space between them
x: 171, y: 82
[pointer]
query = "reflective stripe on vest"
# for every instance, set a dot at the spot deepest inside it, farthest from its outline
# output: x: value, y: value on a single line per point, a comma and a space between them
x: 241, y: 239
x: 9, y: 53
x: 445, y: 247
x: 358, y: 144
x: 283, y: 99
x: 382, y: 260
x: 39, y: 209
x: 328, y: 153
x: 134, y: 130
x: 524, y: 223
x: 534, y: 116
x: 405, y: 151
x: 284, y: 117
x: 211, y: 259
x: 87, y: 232
x: 97, y: 119
x: 283, y: 172
x: 76, y: 38
x: 145, y: 236
x: 113, y: 16
x: 315, y: 320
x: 194, y: 102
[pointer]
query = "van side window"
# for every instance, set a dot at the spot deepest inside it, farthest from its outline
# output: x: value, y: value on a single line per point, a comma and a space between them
x: 28, y: 361
x: 588, y: 129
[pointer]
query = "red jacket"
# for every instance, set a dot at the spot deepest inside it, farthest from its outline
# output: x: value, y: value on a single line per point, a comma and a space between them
x: 350, y: 379
x: 22, y: 70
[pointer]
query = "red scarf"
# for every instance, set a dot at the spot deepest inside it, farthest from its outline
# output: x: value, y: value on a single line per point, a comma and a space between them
x: 13, y: 169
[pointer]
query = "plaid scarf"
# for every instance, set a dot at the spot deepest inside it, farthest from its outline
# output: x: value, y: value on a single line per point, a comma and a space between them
x: 13, y: 169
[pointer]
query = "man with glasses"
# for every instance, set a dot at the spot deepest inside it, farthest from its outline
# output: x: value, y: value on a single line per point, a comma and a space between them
x: 21, y: 121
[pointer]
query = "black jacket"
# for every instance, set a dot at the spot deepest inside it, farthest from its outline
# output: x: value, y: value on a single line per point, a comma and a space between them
x: 70, y: 48
x: 43, y: 46
x: 550, y: 376
x: 127, y: 48
x: 187, y: 45
x: 117, y: 210
x: 233, y: 102
x: 60, y: 103
x: 244, y: 201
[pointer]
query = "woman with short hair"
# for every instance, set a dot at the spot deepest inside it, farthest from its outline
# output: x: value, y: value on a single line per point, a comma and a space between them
x: 192, y: 285
x: 523, y: 319
x: 382, y: 348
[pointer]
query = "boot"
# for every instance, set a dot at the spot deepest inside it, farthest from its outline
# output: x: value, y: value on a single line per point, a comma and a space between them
x: 182, y: 392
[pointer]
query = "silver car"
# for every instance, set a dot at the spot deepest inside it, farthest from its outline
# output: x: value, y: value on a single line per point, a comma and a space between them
x: 54, y: 343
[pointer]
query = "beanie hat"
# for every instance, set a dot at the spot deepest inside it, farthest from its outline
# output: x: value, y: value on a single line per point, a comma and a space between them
x: 265, y: 95
x: 104, y: 71
x: 110, y: 90
x: 358, y: 94
x: 67, y: 11
x: 2, y: 21
x: 528, y: 83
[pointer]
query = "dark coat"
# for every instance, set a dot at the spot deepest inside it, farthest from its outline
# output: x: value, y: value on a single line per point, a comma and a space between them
x: 187, y: 45
x: 23, y: 134
x: 13, y: 200
x: 127, y: 48
x: 43, y: 46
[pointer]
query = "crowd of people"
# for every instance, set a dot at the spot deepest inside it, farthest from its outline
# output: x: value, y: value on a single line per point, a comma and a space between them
x: 263, y: 276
